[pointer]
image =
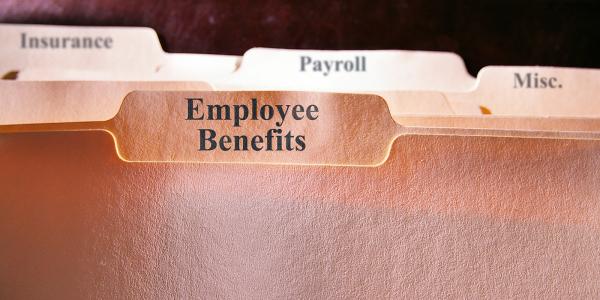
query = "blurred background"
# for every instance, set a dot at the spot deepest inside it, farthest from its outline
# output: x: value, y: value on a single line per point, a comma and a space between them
x: 554, y: 33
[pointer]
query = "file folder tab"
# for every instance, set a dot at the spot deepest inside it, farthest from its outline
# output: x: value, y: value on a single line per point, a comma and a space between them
x: 67, y: 47
x: 349, y: 71
x: 535, y: 91
x: 261, y: 127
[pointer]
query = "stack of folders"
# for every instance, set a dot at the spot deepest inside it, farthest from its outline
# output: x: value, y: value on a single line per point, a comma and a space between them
x: 129, y: 172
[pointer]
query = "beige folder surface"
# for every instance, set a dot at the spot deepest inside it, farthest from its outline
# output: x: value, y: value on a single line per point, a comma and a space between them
x: 284, y: 69
x: 498, y: 90
x: 54, y: 102
x: 459, y: 214
x: 347, y: 71
x: 535, y: 91
x: 518, y: 91
x: 514, y: 91
x: 26, y: 102
x: 115, y: 53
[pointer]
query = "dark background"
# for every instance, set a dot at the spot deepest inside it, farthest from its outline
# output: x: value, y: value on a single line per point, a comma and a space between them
x: 558, y: 33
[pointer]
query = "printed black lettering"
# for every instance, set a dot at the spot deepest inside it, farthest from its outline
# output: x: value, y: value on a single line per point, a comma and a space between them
x: 535, y: 81
x: 296, y: 112
x: 98, y: 42
x: 241, y: 143
x: 224, y: 143
x: 273, y: 139
x: 348, y: 66
x: 75, y: 44
x: 108, y: 42
x: 282, y: 114
x: 300, y: 140
x: 522, y: 82
x: 210, y: 139
x: 65, y: 42
x: 266, y: 112
x: 310, y: 110
x: 218, y: 112
x: 54, y: 43
x: 304, y: 60
x: 194, y: 108
x: 326, y: 67
x: 256, y: 142
x: 240, y: 113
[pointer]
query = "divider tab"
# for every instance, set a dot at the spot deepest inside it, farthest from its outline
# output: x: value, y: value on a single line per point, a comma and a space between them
x: 270, y: 127
x: 535, y: 91
x: 249, y: 127
x: 349, y: 71
x: 45, y: 52
x: 299, y: 128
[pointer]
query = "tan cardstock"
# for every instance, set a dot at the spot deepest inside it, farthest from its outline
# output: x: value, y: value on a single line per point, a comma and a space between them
x: 443, y: 217
x: 283, y: 128
x: 99, y: 53
x: 54, y: 101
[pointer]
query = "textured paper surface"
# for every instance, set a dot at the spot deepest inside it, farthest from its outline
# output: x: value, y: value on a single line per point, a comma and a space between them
x: 444, y: 217
x: 279, y: 69
x: 503, y: 123
x: 80, y: 101
x: 348, y: 129
x: 493, y: 93
x: 386, y: 70
x: 125, y: 52
x: 55, y: 101
x: 47, y: 101
x: 575, y: 95
x: 268, y: 69
x: 153, y: 126
x: 136, y: 54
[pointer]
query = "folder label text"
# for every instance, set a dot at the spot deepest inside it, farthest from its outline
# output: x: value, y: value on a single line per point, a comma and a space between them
x: 325, y: 67
x: 274, y: 139
x: 65, y: 42
x: 535, y: 81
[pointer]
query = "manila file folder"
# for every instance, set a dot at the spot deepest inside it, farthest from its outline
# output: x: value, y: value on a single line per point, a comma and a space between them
x: 147, y: 205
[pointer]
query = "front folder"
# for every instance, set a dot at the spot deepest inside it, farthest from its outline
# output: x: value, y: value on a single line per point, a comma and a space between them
x: 80, y: 102
x: 278, y: 127
x: 462, y: 214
